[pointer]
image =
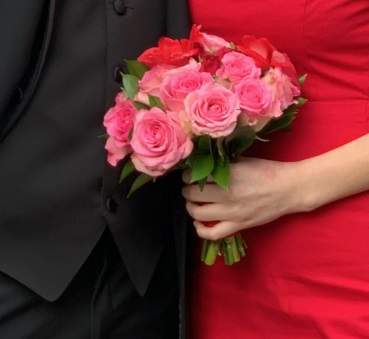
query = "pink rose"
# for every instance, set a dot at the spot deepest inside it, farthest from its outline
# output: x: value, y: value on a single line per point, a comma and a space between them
x: 284, y: 90
x: 255, y: 98
x: 236, y: 66
x: 151, y: 82
x: 116, y: 153
x: 178, y: 83
x: 212, y: 43
x: 212, y: 110
x: 119, y: 119
x: 120, y: 98
x: 159, y: 141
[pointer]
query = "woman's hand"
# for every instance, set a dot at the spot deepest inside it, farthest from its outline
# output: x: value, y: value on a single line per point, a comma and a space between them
x: 262, y: 190
x: 259, y: 192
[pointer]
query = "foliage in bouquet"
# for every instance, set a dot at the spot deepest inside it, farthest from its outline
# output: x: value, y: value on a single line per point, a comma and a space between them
x: 199, y: 103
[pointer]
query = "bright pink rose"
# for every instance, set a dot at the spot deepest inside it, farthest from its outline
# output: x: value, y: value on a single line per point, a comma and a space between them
x: 178, y: 83
x: 212, y: 110
x: 159, y: 141
x: 151, y: 82
x: 255, y: 98
x: 236, y: 66
x: 116, y: 153
x: 212, y: 43
x: 119, y: 119
x: 284, y: 90
x: 120, y: 98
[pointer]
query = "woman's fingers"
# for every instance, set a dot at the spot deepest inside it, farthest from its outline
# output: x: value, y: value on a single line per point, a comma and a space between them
x: 212, y: 211
x: 218, y: 231
x: 211, y: 193
x: 186, y: 177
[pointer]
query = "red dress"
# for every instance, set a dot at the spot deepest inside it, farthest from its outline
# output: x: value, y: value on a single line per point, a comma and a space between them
x: 305, y: 275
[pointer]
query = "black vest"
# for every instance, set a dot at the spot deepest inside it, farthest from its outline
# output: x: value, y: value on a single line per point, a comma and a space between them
x: 59, y: 72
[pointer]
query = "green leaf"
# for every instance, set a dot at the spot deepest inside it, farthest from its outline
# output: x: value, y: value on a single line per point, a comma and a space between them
x: 181, y: 165
x: 241, y: 131
x: 140, y: 105
x: 301, y: 101
x: 190, y: 160
x: 130, y: 84
x: 239, y: 140
x: 155, y: 102
x: 302, y: 79
x: 281, y: 123
x: 221, y: 172
x: 220, y: 147
x: 141, y: 180
x: 260, y: 139
x: 204, y: 144
x: 285, y: 120
x: 127, y: 169
x: 202, y: 183
x: 202, y: 166
x: 136, y: 68
x: 103, y: 136
x: 130, y: 133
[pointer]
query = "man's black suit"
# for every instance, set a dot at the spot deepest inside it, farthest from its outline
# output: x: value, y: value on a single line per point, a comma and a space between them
x: 60, y: 65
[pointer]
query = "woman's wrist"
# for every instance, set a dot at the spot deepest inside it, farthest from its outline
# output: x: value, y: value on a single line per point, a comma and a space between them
x: 310, y: 190
x: 334, y: 175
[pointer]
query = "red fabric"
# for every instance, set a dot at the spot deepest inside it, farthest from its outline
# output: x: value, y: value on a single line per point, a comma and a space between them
x: 305, y: 275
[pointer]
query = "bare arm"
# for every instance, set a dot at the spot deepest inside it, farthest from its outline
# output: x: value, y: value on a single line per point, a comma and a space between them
x: 263, y: 190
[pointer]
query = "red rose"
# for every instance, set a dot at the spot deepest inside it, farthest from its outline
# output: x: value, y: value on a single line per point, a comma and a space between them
x: 212, y: 62
x: 266, y: 55
x: 169, y: 51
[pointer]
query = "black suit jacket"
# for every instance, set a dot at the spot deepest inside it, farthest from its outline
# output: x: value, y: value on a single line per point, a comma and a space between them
x: 59, y: 72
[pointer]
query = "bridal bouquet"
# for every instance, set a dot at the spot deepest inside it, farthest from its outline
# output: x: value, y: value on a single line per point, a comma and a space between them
x: 199, y: 103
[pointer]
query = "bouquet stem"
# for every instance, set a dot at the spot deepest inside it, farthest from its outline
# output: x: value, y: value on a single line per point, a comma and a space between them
x: 210, y: 251
x: 232, y: 248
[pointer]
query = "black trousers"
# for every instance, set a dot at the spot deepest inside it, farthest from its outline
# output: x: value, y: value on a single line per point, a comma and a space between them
x: 101, y: 302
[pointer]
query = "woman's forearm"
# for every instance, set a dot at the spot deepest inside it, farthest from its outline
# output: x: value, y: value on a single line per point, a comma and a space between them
x: 336, y: 174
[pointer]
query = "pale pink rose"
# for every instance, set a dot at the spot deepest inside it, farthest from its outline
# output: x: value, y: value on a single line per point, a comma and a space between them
x: 119, y: 119
x: 212, y: 110
x: 178, y: 83
x: 257, y: 123
x: 212, y: 43
x: 151, y: 82
x: 236, y: 66
x: 159, y: 141
x: 255, y: 98
x: 284, y: 90
x: 116, y: 153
